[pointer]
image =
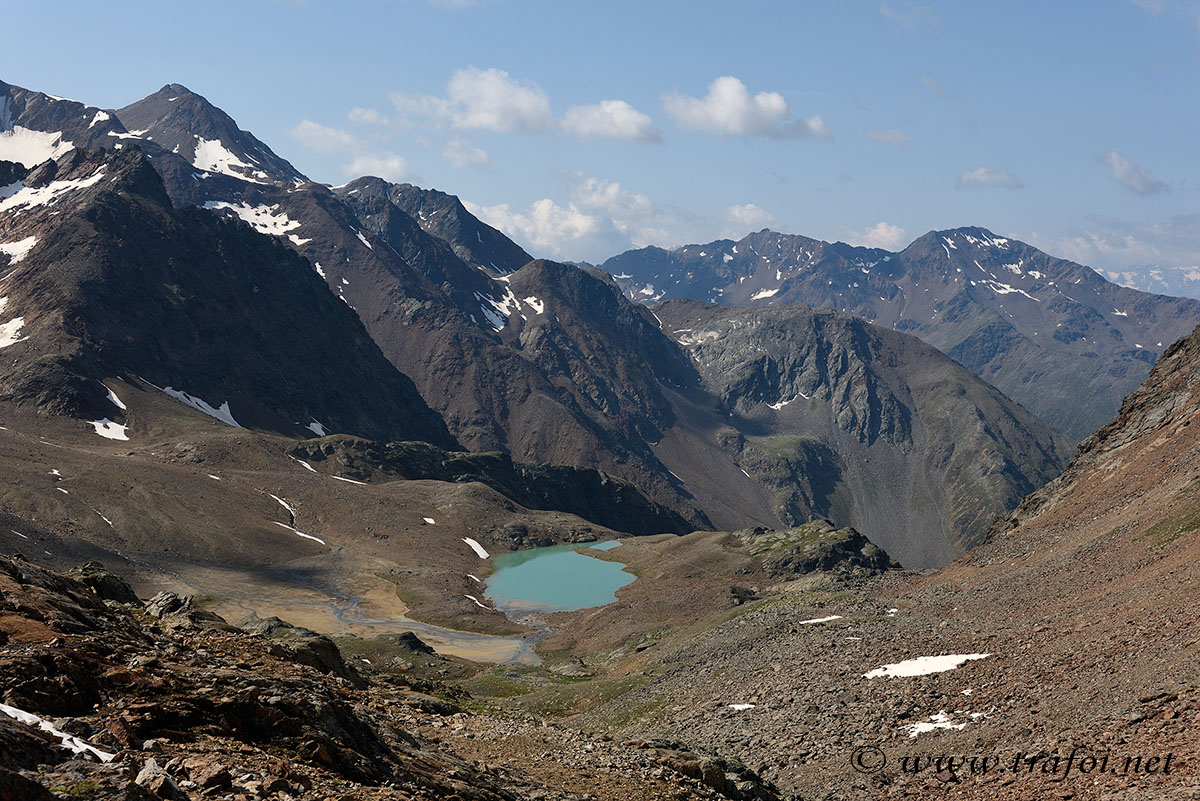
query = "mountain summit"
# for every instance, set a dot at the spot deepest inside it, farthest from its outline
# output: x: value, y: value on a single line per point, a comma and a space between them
x: 110, y: 281
x: 183, y: 122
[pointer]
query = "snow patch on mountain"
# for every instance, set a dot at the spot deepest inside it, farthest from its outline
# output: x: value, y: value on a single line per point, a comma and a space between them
x: 110, y: 430
x: 923, y: 666
x: 986, y: 242
x: 696, y: 338
x: 779, y: 405
x: 941, y: 720
x: 221, y: 412
x: 479, y: 550
x: 48, y: 194
x: 68, y: 741
x: 212, y: 156
x: 263, y: 219
x: 300, y: 533
x: 18, y: 250
x: 10, y: 332
x: 112, y: 396
x: 31, y: 148
x: 765, y: 293
x: 495, y: 311
x: 1005, y: 289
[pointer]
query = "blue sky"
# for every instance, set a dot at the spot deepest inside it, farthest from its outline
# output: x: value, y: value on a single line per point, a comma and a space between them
x: 583, y: 129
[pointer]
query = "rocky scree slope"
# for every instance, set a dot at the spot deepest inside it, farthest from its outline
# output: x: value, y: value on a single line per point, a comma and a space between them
x: 1085, y: 593
x: 588, y: 493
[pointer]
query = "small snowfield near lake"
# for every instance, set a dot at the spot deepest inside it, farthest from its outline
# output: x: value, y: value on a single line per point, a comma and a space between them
x: 922, y: 666
x: 942, y: 720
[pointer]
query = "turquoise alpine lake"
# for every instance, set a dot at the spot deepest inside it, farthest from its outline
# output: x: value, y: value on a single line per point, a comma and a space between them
x: 555, y: 579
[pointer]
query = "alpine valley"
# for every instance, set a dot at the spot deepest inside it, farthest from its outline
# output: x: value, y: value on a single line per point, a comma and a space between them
x: 260, y: 437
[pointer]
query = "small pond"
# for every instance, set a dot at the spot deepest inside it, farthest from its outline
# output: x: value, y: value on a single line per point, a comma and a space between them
x: 555, y: 579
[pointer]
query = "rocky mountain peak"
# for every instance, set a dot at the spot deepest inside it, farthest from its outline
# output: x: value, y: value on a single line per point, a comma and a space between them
x: 444, y: 216
x: 186, y: 123
x: 111, y: 280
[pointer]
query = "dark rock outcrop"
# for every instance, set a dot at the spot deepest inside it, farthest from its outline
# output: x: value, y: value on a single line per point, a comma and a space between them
x: 816, y: 546
x: 107, y: 585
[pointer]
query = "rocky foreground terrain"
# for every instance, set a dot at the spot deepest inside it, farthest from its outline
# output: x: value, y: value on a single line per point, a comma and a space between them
x: 165, y: 700
x: 1064, y: 649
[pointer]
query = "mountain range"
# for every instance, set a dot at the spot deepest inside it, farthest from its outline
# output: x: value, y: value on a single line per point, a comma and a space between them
x: 1053, y: 335
x: 1181, y: 282
x: 843, y: 477
x: 547, y: 362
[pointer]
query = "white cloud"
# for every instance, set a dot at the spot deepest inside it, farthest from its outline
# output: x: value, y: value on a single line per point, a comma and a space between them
x: 366, y: 116
x: 598, y: 219
x: 987, y: 176
x: 387, y: 166
x: 610, y: 198
x: 482, y: 100
x: 610, y: 119
x: 461, y: 153
x: 880, y: 235
x: 546, y: 228
x: 491, y: 100
x: 1130, y: 174
x: 746, y: 218
x: 892, y: 136
x: 1113, y: 244
x: 730, y: 110
x: 322, y: 138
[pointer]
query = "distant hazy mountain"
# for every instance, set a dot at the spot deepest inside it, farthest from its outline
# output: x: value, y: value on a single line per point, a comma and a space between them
x: 1053, y: 335
x: 1179, y: 282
